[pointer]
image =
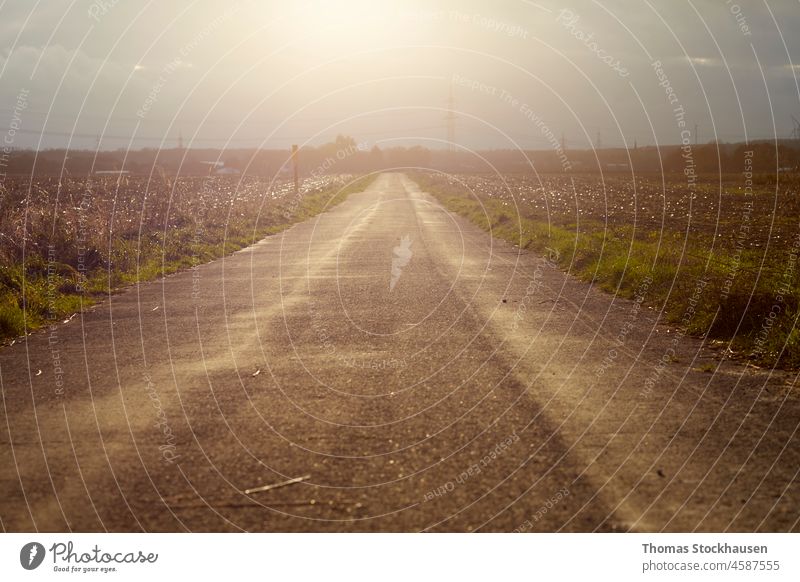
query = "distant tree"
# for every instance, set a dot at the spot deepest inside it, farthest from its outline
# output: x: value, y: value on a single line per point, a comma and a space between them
x: 345, y: 142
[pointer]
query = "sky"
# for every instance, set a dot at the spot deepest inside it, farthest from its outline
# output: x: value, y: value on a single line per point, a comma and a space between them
x: 510, y: 73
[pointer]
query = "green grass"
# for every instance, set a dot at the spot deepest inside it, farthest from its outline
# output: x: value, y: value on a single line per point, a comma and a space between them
x: 618, y: 261
x: 35, y: 292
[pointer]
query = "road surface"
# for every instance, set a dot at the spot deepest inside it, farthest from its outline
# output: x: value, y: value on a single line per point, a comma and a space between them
x: 403, y: 371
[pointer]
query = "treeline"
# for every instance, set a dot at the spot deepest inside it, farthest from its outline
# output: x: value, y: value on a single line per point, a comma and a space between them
x: 346, y: 155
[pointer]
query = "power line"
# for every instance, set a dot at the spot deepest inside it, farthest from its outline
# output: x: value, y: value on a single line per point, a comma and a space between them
x: 796, y: 129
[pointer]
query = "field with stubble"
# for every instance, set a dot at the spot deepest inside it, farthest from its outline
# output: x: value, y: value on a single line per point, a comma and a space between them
x: 66, y: 242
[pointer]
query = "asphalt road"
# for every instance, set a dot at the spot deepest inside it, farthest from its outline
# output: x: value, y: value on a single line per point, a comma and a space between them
x: 417, y: 373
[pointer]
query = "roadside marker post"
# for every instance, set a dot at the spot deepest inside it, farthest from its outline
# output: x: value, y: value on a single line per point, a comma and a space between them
x: 294, y: 166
